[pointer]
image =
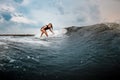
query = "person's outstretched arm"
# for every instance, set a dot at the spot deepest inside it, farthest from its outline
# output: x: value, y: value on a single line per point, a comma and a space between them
x: 51, y: 31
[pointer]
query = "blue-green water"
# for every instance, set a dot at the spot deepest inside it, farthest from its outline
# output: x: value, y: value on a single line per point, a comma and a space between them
x: 59, y: 58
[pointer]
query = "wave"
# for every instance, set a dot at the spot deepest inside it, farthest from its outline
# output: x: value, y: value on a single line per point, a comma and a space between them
x: 2, y: 43
x: 93, y: 29
x: 35, y: 40
x: 82, y: 50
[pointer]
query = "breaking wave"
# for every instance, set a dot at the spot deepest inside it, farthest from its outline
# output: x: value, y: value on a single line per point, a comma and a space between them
x: 73, y: 53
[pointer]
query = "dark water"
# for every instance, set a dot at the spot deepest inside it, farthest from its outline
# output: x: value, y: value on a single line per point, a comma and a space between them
x: 59, y: 58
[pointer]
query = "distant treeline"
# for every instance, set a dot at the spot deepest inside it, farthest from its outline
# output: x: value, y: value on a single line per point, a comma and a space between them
x: 17, y: 34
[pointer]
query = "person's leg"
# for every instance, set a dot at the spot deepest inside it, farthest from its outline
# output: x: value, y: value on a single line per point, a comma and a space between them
x: 44, y: 31
x: 41, y: 34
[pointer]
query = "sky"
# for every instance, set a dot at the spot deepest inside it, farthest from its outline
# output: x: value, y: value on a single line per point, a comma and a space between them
x: 28, y: 16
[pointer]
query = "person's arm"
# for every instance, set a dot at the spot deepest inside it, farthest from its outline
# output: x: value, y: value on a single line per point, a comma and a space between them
x: 51, y: 30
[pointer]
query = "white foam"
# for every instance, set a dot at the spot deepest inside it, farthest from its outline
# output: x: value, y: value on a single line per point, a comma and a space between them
x: 2, y: 43
x: 30, y: 41
x: 36, y: 40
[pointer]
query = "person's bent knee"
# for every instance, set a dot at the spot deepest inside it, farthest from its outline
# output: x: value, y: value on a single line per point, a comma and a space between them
x: 42, y: 30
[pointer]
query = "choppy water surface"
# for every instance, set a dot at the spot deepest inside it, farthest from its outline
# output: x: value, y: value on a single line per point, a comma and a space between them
x: 59, y: 57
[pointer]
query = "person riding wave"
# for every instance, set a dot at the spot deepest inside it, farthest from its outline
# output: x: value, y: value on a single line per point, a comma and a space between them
x: 46, y: 27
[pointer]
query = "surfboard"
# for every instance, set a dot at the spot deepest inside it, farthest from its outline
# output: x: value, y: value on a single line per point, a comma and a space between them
x: 43, y: 39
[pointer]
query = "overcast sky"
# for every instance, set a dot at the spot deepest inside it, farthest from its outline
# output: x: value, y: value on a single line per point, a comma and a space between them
x: 30, y: 15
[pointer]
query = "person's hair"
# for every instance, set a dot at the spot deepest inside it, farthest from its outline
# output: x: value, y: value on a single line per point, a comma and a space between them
x: 51, y: 25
